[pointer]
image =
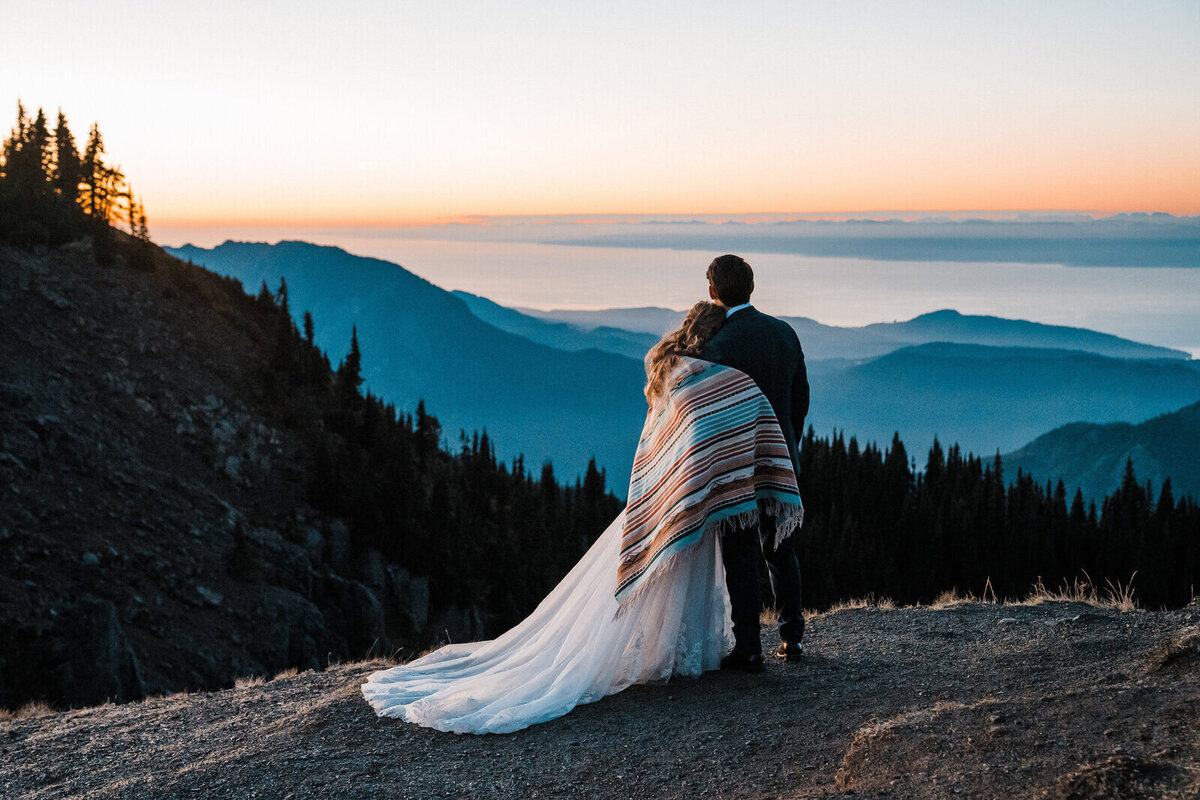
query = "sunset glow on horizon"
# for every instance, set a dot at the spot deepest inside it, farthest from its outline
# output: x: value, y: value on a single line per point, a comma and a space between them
x: 385, y: 114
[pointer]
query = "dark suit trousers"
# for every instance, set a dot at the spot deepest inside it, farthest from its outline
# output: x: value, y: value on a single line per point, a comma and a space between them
x: 740, y: 551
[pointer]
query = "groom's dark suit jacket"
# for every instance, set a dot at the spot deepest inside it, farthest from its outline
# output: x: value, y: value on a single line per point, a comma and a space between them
x: 768, y: 350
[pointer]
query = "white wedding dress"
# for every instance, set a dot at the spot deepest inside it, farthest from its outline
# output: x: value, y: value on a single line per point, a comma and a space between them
x: 572, y: 649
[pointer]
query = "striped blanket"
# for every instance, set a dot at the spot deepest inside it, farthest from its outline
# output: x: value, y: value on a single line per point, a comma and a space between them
x: 711, y: 457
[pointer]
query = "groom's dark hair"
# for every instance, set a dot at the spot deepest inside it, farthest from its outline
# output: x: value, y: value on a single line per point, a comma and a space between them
x: 731, y: 279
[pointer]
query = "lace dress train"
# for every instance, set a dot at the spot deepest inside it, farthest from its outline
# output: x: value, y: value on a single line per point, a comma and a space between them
x: 572, y: 649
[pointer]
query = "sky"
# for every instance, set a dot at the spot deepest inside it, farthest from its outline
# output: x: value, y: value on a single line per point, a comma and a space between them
x: 389, y: 113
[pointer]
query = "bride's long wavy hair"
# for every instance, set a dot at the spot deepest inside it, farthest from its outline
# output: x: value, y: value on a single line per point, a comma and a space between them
x: 701, y: 323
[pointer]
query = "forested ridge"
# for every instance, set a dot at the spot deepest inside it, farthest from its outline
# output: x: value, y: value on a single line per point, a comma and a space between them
x: 52, y: 193
x: 876, y: 525
x: 478, y: 527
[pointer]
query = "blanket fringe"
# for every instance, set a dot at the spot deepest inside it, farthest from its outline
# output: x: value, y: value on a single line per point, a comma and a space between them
x: 788, y: 519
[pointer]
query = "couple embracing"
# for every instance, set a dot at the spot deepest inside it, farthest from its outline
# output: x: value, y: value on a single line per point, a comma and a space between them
x: 671, y: 587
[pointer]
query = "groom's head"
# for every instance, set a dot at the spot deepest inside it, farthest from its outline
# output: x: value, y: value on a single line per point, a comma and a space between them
x: 730, y: 280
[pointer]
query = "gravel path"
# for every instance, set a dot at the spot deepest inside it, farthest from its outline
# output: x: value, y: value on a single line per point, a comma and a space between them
x: 1057, y: 699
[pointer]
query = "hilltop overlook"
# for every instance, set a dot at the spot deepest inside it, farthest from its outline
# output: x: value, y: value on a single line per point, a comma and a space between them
x: 1055, y: 699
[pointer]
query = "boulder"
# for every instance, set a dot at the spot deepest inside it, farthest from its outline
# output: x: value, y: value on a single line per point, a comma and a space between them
x: 337, y: 550
x: 98, y: 662
x: 455, y: 624
x: 355, y: 611
x: 369, y: 569
x: 408, y: 597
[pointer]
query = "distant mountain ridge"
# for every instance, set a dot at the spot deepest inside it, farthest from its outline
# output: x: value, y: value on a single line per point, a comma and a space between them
x: 537, y: 398
x: 1092, y: 457
x: 561, y: 335
x: 829, y: 341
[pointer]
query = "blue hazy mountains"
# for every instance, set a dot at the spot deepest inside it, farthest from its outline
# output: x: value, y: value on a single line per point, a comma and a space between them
x: 827, y: 341
x: 990, y: 398
x: 567, y: 385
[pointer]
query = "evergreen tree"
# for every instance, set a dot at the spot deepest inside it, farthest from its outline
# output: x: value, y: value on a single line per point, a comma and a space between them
x: 142, y: 231
x: 92, y: 183
x: 67, y: 164
x: 349, y: 373
x: 41, y: 156
x: 281, y: 297
x: 11, y: 167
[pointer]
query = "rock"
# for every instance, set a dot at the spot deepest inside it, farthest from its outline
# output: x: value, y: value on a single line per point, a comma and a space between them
x: 45, y: 425
x: 56, y: 300
x: 223, y: 433
x: 313, y: 543
x: 99, y: 663
x: 9, y: 460
x: 233, y: 466
x: 209, y: 596
x: 370, y: 570
x: 337, y: 551
x: 459, y: 624
x: 91, y: 559
x: 1007, y: 621
x: 354, y: 609
x: 409, y: 596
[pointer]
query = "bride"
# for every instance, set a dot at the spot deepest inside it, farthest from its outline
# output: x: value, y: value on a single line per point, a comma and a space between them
x: 648, y: 601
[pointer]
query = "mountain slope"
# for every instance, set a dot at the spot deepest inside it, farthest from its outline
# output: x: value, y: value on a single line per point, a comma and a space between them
x: 419, y: 341
x: 135, y: 455
x: 560, y: 335
x: 1092, y: 457
x: 648, y: 319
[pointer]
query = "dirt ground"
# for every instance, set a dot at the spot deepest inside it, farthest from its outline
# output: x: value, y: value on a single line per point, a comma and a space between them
x: 1054, y: 699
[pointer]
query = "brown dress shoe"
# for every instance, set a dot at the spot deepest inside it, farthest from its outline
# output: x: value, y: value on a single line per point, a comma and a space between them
x: 790, y: 651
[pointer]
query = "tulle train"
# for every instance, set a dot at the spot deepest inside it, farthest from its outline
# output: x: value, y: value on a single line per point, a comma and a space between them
x: 572, y: 649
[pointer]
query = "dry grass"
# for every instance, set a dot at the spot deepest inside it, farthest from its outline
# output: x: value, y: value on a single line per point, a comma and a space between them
x: 290, y: 672
x: 1113, y: 596
x: 36, y: 708
x: 882, y: 603
x: 249, y: 681
x: 953, y: 597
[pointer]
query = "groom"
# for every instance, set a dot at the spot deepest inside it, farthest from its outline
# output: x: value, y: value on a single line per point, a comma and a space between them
x: 768, y: 350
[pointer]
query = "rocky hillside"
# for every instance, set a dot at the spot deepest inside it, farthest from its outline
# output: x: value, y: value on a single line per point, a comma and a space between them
x: 131, y: 453
x: 1049, y: 700
x: 159, y: 527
